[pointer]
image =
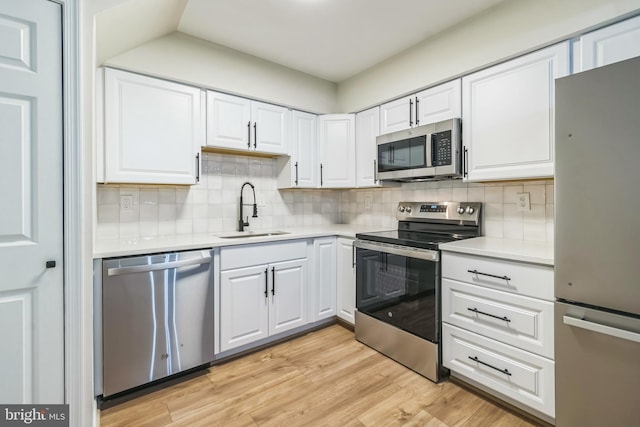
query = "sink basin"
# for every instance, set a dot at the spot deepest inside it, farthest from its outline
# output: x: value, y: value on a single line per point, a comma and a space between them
x: 245, y: 234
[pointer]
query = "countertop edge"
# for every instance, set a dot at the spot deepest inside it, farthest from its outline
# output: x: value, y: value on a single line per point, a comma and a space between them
x: 507, y: 249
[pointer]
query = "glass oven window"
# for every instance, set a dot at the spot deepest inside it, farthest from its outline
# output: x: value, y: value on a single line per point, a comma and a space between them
x: 406, y: 154
x: 398, y: 290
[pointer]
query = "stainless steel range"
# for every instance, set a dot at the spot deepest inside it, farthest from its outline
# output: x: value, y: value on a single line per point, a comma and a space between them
x: 398, y: 281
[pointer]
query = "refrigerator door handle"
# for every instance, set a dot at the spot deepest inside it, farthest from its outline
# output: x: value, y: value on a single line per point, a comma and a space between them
x: 601, y: 329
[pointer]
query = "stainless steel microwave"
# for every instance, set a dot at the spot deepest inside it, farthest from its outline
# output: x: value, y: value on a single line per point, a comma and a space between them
x: 424, y: 153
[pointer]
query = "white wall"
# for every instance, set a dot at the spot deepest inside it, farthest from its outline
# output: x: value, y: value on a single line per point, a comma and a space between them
x: 187, y: 59
x: 509, y: 29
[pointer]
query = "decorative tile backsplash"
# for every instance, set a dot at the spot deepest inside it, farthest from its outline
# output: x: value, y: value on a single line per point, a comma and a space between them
x: 212, y: 206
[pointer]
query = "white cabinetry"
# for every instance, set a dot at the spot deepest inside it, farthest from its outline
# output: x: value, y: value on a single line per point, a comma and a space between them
x: 265, y: 298
x: 152, y: 130
x: 508, y: 116
x: 367, y: 129
x: 237, y: 123
x: 337, y: 150
x: 498, y: 328
x: 325, y: 278
x: 610, y: 44
x: 300, y: 170
x: 346, y: 280
x: 438, y: 103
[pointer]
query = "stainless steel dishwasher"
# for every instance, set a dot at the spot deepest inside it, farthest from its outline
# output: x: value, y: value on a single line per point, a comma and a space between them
x: 157, y: 317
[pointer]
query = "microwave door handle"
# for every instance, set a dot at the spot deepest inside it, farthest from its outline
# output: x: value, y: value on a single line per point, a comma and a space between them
x: 434, y: 149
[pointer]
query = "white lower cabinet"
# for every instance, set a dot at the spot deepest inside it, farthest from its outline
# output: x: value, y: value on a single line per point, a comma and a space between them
x: 497, y: 328
x: 265, y: 299
x: 325, y: 278
x: 346, y: 280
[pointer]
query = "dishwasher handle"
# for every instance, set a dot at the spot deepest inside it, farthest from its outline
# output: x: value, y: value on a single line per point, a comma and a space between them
x: 161, y: 266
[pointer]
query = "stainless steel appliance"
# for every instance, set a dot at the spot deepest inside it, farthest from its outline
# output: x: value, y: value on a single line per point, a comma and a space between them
x: 428, y: 152
x: 597, y: 247
x: 398, y: 281
x: 157, y: 318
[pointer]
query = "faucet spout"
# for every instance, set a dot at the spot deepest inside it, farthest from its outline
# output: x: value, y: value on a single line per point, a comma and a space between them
x: 242, y: 223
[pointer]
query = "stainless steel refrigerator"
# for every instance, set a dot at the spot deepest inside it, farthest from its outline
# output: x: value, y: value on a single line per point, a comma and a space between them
x: 597, y: 247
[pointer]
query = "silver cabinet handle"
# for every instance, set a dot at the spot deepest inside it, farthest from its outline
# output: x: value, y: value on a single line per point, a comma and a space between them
x: 504, y: 371
x: 417, y: 112
x: 410, y: 116
x: 489, y: 275
x: 601, y: 329
x: 197, y: 168
x: 249, y: 134
x: 161, y: 266
x: 296, y: 181
x: 375, y: 170
x: 321, y: 180
x: 255, y: 135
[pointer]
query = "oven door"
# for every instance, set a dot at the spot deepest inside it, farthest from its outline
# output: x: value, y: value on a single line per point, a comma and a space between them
x: 399, y: 286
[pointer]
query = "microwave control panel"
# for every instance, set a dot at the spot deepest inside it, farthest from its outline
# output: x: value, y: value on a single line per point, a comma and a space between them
x: 441, y: 148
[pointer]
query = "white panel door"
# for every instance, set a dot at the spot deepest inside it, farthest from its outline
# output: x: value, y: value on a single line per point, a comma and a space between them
x: 325, y: 278
x: 228, y: 121
x: 337, y: 150
x: 31, y: 295
x: 153, y: 130
x: 270, y: 128
x: 244, y: 305
x: 304, y: 149
x: 367, y: 129
x: 442, y: 102
x: 610, y: 44
x: 288, y: 295
x: 346, y: 277
x: 508, y: 114
x: 397, y: 115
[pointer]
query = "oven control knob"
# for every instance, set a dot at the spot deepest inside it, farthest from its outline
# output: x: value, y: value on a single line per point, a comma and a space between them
x: 401, y: 208
x: 461, y: 210
x: 470, y: 210
x: 408, y: 209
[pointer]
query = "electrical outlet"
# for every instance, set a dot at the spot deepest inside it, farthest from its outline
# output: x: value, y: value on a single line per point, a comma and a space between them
x: 523, y: 203
x: 126, y: 203
x: 367, y: 202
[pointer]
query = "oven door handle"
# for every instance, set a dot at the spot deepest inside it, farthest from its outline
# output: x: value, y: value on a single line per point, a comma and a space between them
x: 425, y: 254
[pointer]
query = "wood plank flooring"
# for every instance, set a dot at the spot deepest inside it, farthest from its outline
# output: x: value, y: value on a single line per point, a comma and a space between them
x: 325, y: 378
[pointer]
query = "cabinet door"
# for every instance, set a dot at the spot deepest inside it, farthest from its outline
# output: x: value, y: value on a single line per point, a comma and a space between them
x: 367, y: 129
x: 508, y: 113
x: 336, y: 150
x: 397, y: 115
x: 269, y: 130
x: 228, y: 121
x: 304, y: 149
x: 288, y: 295
x: 152, y: 130
x: 439, y: 103
x: 325, y: 278
x: 244, y: 305
x: 610, y: 44
x: 346, y: 280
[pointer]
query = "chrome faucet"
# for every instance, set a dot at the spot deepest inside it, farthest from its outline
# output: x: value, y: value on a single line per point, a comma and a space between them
x: 242, y: 224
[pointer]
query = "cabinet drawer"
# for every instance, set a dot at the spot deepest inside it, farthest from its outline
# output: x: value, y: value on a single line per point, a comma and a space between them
x: 517, y: 374
x: 261, y: 253
x: 521, y: 321
x: 526, y: 279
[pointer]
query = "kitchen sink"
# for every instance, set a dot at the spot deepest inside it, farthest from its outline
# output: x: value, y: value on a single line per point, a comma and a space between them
x: 244, y: 234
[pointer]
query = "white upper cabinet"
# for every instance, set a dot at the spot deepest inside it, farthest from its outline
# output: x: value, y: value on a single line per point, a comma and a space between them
x: 438, y: 103
x: 152, y: 130
x: 610, y: 44
x: 336, y: 150
x: 367, y: 129
x: 241, y: 124
x: 508, y: 116
x: 300, y: 170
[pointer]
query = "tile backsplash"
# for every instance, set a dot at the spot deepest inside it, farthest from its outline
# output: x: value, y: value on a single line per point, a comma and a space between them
x: 212, y: 206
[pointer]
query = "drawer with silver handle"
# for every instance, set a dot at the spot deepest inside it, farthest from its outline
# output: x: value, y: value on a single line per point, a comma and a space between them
x: 532, y: 280
x: 517, y: 374
x: 521, y: 321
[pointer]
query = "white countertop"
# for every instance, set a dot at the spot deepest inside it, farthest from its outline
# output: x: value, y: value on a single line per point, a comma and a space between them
x: 510, y: 249
x: 127, y: 247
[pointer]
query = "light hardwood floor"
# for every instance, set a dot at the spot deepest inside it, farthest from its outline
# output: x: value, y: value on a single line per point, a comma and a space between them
x: 325, y: 378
